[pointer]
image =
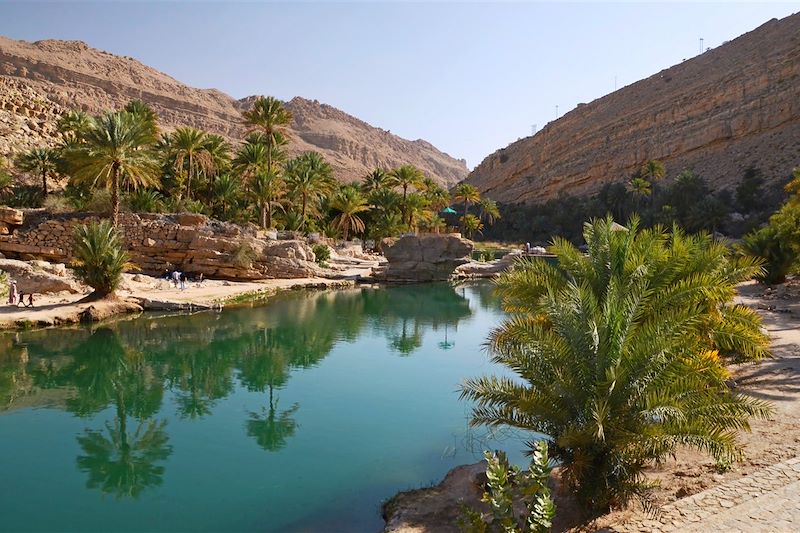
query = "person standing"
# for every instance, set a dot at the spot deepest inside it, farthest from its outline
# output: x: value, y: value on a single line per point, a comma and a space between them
x: 12, y: 293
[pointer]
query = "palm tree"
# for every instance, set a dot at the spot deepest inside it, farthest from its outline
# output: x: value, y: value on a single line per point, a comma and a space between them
x: 438, y: 198
x: 639, y: 188
x: 489, y: 210
x: 251, y: 159
x: 190, y: 151
x: 267, y: 191
x: 376, y: 180
x: 100, y: 257
x: 71, y: 123
x: 309, y: 178
x: 41, y: 161
x: 619, y: 351
x: 226, y: 192
x: 116, y: 145
x: 471, y: 224
x: 269, y: 117
x: 653, y: 170
x: 349, y: 202
x: 144, y: 113
x: 466, y: 194
x: 407, y: 176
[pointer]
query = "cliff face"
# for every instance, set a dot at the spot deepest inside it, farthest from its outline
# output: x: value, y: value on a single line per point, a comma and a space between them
x: 38, y: 81
x: 717, y: 114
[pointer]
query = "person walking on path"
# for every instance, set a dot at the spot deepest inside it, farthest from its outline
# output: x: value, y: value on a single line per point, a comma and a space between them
x: 12, y: 293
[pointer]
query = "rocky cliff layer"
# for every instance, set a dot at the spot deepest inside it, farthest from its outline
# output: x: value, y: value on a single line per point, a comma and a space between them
x: 40, y: 80
x: 719, y: 113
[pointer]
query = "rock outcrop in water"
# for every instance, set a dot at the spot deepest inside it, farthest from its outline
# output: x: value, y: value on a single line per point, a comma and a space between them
x: 38, y: 81
x: 426, y: 257
x: 719, y: 113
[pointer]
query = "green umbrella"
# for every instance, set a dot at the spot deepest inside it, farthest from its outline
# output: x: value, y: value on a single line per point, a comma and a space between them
x: 448, y: 211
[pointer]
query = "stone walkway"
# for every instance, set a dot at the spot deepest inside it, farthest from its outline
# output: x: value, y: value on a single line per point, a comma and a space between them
x: 767, y: 501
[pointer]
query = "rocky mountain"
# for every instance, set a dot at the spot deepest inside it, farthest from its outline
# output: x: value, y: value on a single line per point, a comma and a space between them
x: 717, y: 114
x: 40, y: 80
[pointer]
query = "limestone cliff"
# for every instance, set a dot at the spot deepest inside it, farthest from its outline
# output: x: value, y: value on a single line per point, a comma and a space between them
x: 40, y: 80
x: 725, y: 110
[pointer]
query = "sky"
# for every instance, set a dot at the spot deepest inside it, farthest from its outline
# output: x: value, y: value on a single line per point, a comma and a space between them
x: 468, y: 77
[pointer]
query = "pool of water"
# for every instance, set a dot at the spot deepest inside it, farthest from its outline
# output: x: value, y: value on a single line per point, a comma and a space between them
x: 300, y: 415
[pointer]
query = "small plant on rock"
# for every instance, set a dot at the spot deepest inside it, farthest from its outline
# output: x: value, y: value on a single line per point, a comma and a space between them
x: 243, y: 256
x: 322, y: 254
x: 505, y: 483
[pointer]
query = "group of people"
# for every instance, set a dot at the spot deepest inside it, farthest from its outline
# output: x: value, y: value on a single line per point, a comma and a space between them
x: 179, y: 279
x: 16, y: 298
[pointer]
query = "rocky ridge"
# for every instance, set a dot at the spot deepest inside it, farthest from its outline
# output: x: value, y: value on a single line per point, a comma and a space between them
x: 190, y: 243
x: 719, y: 113
x: 38, y: 81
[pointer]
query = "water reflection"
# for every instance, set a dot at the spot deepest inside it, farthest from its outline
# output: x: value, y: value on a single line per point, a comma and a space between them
x: 119, y: 374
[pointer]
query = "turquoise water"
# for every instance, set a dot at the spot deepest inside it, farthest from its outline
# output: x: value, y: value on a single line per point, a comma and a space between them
x: 300, y: 415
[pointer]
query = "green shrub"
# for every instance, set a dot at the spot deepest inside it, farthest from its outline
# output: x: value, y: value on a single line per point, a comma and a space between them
x: 243, y: 256
x: 58, y: 204
x: 100, y: 257
x: 145, y: 201
x: 322, y: 253
x: 505, y: 484
x: 778, y: 256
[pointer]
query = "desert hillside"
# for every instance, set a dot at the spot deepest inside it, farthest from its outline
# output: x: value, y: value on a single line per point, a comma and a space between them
x: 40, y: 80
x: 730, y: 108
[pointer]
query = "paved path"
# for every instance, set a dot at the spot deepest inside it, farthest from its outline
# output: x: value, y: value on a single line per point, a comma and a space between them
x: 766, y: 501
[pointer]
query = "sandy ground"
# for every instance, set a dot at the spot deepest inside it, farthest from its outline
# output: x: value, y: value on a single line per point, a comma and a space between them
x: 770, y: 441
x: 55, y: 309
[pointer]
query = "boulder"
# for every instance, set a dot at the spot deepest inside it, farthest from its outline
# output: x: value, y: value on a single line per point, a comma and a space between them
x: 429, y: 257
x: 33, y: 278
x: 191, y: 219
x: 11, y: 216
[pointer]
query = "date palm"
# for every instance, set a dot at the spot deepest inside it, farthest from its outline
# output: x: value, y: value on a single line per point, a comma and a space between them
x: 350, y: 203
x: 100, y: 257
x: 639, y: 188
x: 71, y: 123
x: 489, y: 210
x: 41, y: 161
x: 653, y: 170
x: 145, y: 114
x: 308, y: 178
x: 189, y: 148
x: 407, y: 176
x: 471, y: 224
x: 267, y: 191
x: 227, y: 190
x: 251, y: 159
x: 619, y: 355
x: 376, y: 180
x: 466, y: 194
x: 269, y: 117
x: 115, y: 146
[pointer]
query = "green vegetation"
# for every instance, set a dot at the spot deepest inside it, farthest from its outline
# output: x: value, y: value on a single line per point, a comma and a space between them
x: 686, y: 200
x: 619, y: 355
x: 100, y: 257
x: 121, y: 160
x: 504, y: 482
x: 778, y: 243
x: 322, y: 253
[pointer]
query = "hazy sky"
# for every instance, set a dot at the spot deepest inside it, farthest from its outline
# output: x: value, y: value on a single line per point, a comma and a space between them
x: 468, y: 77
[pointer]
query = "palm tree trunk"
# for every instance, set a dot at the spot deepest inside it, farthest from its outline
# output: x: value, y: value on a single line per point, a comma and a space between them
x: 269, y: 214
x: 115, y: 195
x: 303, y: 212
x: 189, y: 179
x: 464, y: 218
x: 264, y: 216
x: 44, y: 181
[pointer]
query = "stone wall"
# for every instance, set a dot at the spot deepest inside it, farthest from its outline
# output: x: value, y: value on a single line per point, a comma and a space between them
x: 191, y: 243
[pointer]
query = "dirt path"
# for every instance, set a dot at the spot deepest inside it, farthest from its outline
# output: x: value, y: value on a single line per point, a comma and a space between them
x: 139, y: 292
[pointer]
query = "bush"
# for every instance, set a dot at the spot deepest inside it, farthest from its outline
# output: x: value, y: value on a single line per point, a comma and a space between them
x: 505, y: 483
x: 243, y: 256
x: 322, y: 253
x: 778, y: 256
x: 57, y: 204
x: 100, y: 257
x: 619, y: 356
x: 145, y: 201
